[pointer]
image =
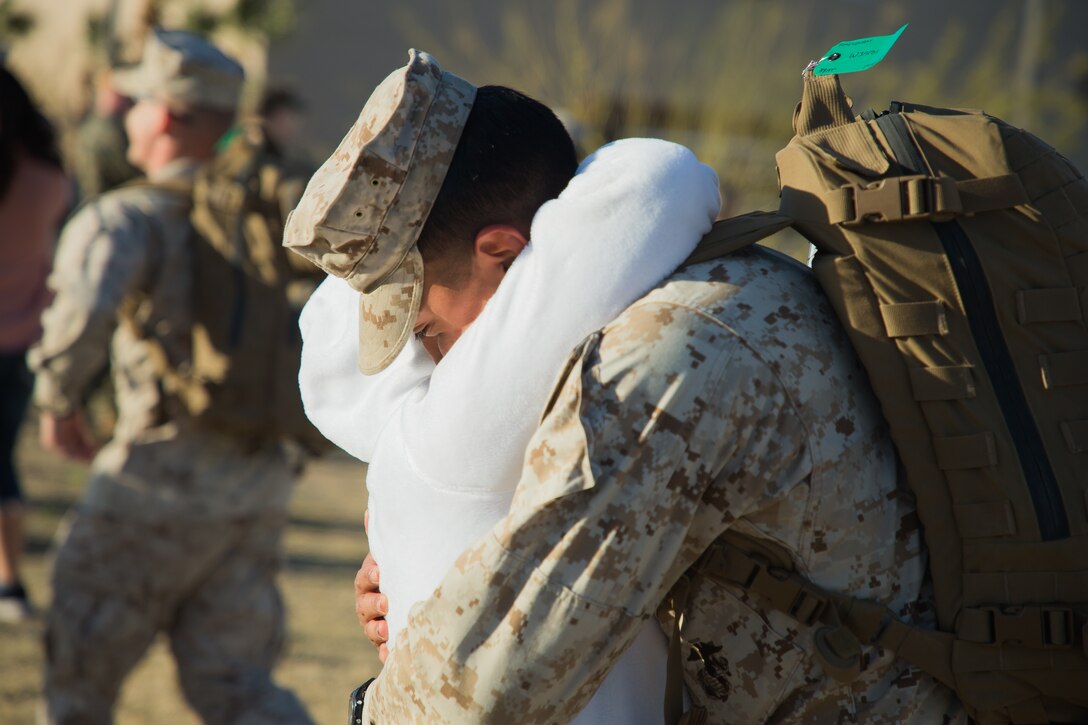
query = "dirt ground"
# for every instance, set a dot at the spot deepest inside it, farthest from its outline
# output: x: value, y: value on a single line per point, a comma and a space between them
x: 326, y: 654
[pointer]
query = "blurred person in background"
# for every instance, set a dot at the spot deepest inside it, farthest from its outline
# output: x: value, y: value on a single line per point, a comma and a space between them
x: 275, y: 132
x: 101, y: 161
x: 283, y: 116
x: 180, y: 527
x: 34, y: 195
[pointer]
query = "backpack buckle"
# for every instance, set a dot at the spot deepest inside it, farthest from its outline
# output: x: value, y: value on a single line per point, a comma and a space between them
x: 878, y: 201
x: 1059, y: 627
x: 904, y: 198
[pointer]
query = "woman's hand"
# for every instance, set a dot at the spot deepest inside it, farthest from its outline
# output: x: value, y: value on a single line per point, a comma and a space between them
x: 370, y: 604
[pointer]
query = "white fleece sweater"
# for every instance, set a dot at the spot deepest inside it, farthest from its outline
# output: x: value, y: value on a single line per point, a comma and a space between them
x: 445, y: 443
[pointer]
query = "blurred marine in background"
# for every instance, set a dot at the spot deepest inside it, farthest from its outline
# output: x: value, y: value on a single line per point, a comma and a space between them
x: 181, y: 524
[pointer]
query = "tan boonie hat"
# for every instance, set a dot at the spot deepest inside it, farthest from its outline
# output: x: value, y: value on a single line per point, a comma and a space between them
x: 363, y: 210
x: 181, y: 67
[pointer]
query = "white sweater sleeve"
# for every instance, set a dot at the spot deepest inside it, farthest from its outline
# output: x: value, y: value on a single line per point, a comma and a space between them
x: 349, y: 408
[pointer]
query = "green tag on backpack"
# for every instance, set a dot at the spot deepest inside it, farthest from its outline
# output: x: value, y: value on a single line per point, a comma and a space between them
x: 850, y: 56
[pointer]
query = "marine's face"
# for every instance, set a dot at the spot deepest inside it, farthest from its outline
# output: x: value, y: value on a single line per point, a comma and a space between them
x: 453, y: 297
x: 143, y: 123
x: 455, y: 290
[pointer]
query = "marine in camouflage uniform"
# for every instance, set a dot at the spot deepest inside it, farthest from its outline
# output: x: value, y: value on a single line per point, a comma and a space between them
x: 180, y: 530
x: 726, y: 399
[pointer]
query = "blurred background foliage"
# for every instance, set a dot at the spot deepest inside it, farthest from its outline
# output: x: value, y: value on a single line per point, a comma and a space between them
x: 719, y: 76
x: 723, y: 82
x: 98, y: 34
x: 269, y: 19
x: 14, y: 22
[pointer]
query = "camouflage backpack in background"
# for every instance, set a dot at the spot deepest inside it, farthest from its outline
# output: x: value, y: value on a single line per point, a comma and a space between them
x: 954, y: 249
x: 242, y: 375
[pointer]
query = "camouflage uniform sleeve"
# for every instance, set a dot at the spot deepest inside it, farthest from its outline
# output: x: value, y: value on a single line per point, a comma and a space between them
x: 101, y: 259
x: 528, y: 622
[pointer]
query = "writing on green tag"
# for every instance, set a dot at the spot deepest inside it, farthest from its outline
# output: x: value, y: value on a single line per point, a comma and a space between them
x: 850, y: 56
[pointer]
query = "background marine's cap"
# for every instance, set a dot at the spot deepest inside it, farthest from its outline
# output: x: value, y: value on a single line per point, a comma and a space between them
x: 363, y: 210
x: 183, y: 68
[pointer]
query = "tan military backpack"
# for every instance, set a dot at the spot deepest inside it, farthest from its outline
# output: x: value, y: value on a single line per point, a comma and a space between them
x: 242, y: 376
x: 954, y: 249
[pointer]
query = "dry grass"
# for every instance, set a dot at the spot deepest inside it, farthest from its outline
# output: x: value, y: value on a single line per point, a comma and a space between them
x: 326, y: 654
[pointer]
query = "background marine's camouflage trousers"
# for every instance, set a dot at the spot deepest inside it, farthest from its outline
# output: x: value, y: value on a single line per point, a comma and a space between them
x: 209, y: 586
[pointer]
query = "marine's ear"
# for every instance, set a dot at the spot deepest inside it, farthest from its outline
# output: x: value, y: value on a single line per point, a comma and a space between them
x: 498, y: 245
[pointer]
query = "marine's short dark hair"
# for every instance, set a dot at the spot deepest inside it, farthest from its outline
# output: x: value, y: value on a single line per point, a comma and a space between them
x: 514, y: 154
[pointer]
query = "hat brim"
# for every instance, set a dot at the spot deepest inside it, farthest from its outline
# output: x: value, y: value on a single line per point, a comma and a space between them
x: 388, y: 313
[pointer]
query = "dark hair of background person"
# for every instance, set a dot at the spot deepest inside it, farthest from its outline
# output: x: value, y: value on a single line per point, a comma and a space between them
x: 279, y: 98
x: 22, y: 128
x: 514, y: 155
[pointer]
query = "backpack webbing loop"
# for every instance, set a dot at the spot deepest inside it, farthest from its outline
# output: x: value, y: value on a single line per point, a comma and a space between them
x: 1037, y: 627
x: 913, y: 319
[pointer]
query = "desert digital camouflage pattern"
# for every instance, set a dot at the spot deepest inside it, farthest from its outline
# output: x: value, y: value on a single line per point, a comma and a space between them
x: 390, y: 309
x: 95, y: 637
x: 167, y: 508
x: 726, y: 399
x: 363, y: 210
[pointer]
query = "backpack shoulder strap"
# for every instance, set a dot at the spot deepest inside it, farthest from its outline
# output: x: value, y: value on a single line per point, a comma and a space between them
x: 729, y: 235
